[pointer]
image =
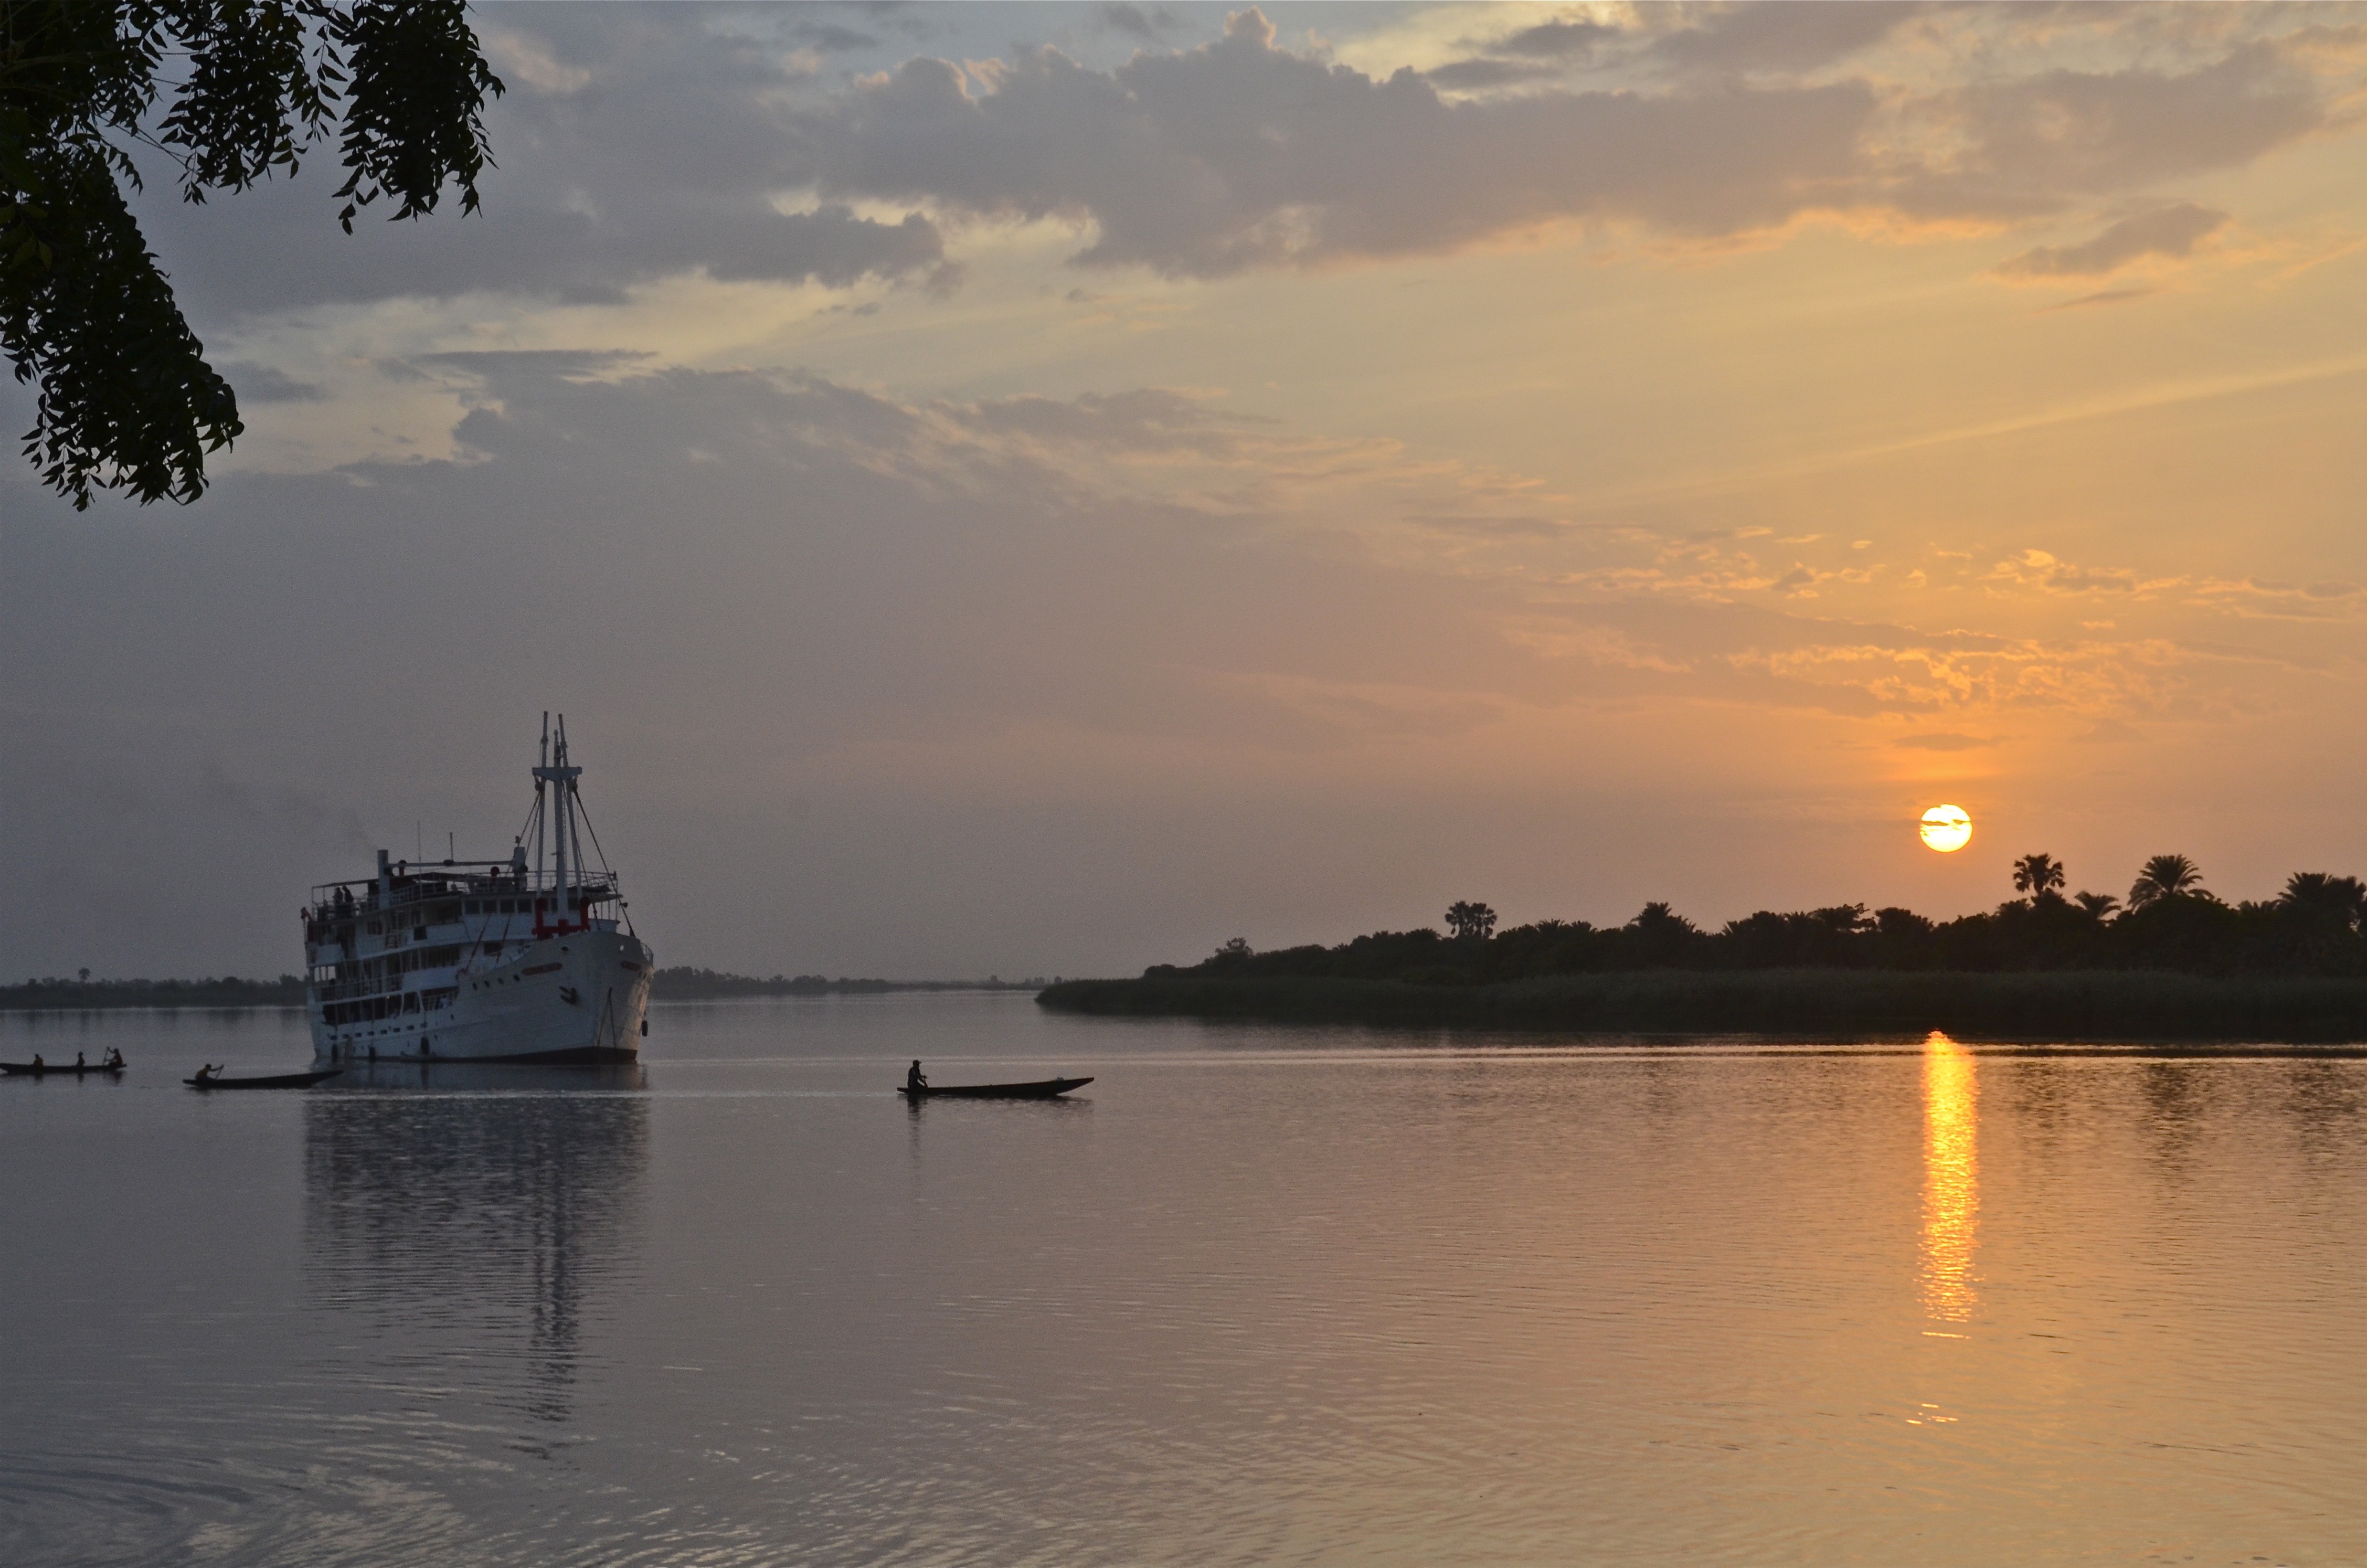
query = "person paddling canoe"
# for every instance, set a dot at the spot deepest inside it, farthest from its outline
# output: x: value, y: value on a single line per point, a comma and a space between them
x: 915, y: 1080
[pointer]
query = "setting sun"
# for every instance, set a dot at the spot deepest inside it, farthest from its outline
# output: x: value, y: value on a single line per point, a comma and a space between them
x: 1947, y: 828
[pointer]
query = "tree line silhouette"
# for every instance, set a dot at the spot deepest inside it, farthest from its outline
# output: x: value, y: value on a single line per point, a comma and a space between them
x: 2169, y: 921
x: 54, y: 992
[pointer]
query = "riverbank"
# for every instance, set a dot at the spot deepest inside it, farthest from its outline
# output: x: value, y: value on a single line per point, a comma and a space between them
x: 2101, y: 1004
x: 687, y: 984
x: 682, y: 984
x: 84, y: 996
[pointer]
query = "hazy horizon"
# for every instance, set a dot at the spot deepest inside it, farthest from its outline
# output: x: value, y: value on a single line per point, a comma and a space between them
x: 1046, y: 489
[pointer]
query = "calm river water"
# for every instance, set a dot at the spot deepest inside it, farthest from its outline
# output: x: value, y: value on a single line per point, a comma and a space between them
x: 1256, y: 1296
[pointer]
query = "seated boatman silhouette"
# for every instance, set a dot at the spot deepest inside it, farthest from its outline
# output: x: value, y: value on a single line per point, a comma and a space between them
x: 915, y: 1080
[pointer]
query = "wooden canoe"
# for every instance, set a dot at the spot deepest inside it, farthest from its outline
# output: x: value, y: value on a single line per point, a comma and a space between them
x: 284, y: 1081
x: 1043, y: 1091
x: 27, y: 1070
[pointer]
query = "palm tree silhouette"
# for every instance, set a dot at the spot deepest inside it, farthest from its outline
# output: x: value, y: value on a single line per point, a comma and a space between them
x: 2337, y: 900
x: 2038, y: 875
x: 1469, y: 920
x: 2163, y: 876
x: 2099, y: 906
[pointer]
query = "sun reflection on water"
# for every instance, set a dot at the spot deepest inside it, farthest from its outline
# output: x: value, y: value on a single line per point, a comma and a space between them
x: 1951, y: 1179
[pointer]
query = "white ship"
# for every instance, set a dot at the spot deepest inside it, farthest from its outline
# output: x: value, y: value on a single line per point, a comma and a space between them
x: 483, y: 960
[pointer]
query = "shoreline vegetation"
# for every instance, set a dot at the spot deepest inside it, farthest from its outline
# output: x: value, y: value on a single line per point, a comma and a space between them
x: 2174, y: 963
x: 686, y: 984
x: 53, y: 994
x: 682, y: 983
x: 2062, y: 1006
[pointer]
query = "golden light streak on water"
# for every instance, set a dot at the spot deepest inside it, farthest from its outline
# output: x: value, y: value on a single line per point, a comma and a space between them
x: 1951, y: 1179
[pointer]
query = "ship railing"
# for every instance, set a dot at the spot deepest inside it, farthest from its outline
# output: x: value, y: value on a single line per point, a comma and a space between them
x: 429, y: 884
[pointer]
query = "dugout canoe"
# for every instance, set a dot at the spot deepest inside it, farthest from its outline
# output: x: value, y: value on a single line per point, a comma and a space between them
x: 27, y: 1070
x: 283, y: 1081
x: 1044, y: 1090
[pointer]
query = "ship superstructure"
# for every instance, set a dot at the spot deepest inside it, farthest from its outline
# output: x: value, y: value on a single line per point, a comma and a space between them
x: 523, y: 960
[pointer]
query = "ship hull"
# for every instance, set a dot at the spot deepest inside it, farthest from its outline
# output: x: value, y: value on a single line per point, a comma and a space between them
x: 577, y: 997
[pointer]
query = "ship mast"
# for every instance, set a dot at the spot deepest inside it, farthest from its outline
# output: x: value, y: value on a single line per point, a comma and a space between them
x: 541, y: 824
x: 567, y: 856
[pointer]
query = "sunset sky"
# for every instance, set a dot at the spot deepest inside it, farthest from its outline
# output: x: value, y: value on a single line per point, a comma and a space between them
x: 1046, y: 489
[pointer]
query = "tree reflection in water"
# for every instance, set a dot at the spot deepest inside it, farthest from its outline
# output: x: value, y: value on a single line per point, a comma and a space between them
x: 475, y: 1228
x: 1951, y: 1180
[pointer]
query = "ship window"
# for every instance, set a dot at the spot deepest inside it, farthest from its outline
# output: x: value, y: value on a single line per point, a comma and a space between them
x: 411, y: 1001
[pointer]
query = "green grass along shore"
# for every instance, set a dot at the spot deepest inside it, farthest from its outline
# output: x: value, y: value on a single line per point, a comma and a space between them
x: 2132, y: 1005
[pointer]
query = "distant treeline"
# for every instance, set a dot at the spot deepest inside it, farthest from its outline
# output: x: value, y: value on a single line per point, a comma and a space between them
x: 2175, y: 963
x: 288, y: 991
x: 687, y: 984
x: 2171, y: 922
x: 2124, y: 1006
x: 679, y: 985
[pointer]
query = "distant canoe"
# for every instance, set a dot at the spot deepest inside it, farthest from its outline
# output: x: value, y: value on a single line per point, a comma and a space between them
x: 284, y: 1081
x: 1043, y: 1091
x: 28, y: 1070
